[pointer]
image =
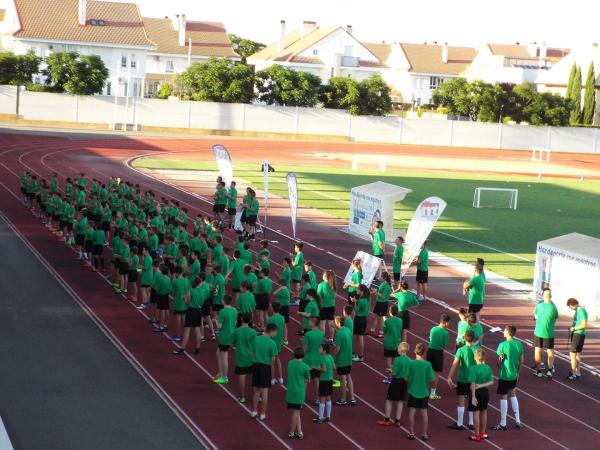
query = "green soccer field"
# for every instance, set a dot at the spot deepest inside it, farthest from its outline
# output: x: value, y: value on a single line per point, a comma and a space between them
x: 505, y: 238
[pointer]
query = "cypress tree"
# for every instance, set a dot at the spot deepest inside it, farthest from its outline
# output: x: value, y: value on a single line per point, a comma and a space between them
x: 589, y: 98
x: 575, y: 117
x: 570, y: 82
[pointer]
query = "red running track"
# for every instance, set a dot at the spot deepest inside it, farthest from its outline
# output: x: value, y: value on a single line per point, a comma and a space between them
x: 556, y: 414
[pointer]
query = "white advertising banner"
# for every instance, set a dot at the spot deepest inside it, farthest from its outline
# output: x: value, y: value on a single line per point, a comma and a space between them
x: 569, y: 275
x: 370, y: 265
x: 292, y: 182
x: 223, y: 163
x: 421, y: 224
x: 266, y: 187
x: 365, y: 211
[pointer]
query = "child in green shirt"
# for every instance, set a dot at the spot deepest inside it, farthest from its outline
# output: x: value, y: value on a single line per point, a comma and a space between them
x: 326, y: 366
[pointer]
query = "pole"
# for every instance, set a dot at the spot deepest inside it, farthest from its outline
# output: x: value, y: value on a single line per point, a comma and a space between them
x: 189, y: 53
x: 266, y: 194
x: 116, y: 91
x: 18, y: 100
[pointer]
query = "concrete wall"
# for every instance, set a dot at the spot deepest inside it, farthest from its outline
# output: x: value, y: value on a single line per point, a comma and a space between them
x: 294, y: 121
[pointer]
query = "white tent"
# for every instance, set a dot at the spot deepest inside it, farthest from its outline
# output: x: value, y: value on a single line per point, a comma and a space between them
x: 570, y: 266
x: 372, y: 202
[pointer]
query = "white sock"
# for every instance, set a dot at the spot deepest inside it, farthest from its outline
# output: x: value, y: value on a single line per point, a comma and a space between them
x: 514, y: 402
x: 503, y: 411
x: 460, y: 412
x: 80, y: 255
x: 433, y: 391
x: 328, y: 405
x: 470, y: 417
x: 321, y: 410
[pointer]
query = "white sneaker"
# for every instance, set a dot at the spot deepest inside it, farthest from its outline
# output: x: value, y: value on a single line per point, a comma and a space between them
x: 281, y: 381
x: 253, y: 414
x: 262, y: 417
x: 273, y: 381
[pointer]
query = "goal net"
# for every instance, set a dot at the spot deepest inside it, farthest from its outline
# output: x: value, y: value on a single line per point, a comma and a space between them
x: 495, y: 198
x: 369, y: 162
x: 540, y: 154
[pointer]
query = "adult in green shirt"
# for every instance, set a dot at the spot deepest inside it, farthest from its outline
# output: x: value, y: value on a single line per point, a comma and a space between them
x: 382, y: 299
x: 363, y: 308
x: 397, y: 393
x: 232, y: 203
x: 422, y: 272
x: 355, y: 280
x: 343, y: 361
x: 326, y: 291
x: 577, y: 335
x: 420, y: 377
x: 475, y: 288
x: 193, y: 317
x: 378, y: 236
x: 510, y: 361
x: 279, y: 321
x: 226, y: 319
x: 545, y: 314
x: 397, y: 260
x: 263, y: 356
x: 298, y: 374
x: 243, y: 341
x: 438, y: 340
x: 311, y: 342
x: 480, y: 377
x: 236, y: 272
x: 463, y: 361
x: 392, y: 334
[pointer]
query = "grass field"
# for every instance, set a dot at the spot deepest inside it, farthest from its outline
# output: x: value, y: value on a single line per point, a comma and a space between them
x: 505, y: 238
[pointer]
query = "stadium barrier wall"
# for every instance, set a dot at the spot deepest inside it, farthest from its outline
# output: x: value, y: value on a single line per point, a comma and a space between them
x: 272, y: 121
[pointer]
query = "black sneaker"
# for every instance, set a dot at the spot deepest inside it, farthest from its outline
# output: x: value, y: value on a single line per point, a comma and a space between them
x: 471, y: 427
x: 500, y: 428
x: 318, y: 420
x: 456, y: 426
x: 519, y: 425
x: 538, y: 373
x: 196, y: 350
x: 549, y: 373
x: 353, y: 402
x: 340, y: 402
x: 179, y: 351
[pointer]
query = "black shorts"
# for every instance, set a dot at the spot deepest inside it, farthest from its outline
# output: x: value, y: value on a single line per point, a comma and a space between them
x: 380, y: 309
x: 422, y: 276
x: 315, y: 373
x: 505, y: 385
x: 396, y: 276
x: 69, y: 226
x: 543, y: 342
x: 360, y: 325
x: 105, y: 226
x: 179, y: 312
x: 397, y: 390
x: 302, y: 304
x: 242, y: 370
x: 251, y: 220
x: 577, y: 341
x: 231, y: 211
x: 205, y: 310
x: 193, y: 318
x: 418, y: 403
x: 153, y: 296
x: 203, y: 262
x: 436, y: 358
x: 133, y: 243
x: 327, y: 313
x: 133, y: 276
x: 483, y: 397
x: 325, y: 388
x: 63, y: 224
x: 285, y: 312
x: 216, y: 307
x: 344, y: 370
x: 98, y: 250
x: 262, y: 302
x: 224, y: 348
x: 405, y: 316
x: 475, y: 308
x: 161, y: 238
x: 162, y: 302
x: 89, y: 245
x: 390, y: 353
x: 463, y: 388
x: 79, y: 239
x: 123, y: 268
x: 153, y: 254
x: 219, y: 208
x: 261, y: 375
x: 296, y: 406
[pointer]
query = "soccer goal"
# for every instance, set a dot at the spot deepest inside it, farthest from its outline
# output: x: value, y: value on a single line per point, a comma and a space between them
x: 495, y: 198
x: 540, y: 154
x: 369, y: 162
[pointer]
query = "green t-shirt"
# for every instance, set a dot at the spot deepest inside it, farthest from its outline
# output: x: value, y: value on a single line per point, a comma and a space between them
x: 283, y: 297
x: 477, y: 284
x: 400, y: 366
x: 327, y: 361
x: 232, y: 198
x: 343, y: 341
x: 438, y: 338
x: 509, y: 367
x: 81, y: 226
x: 252, y: 211
x: 243, y: 341
x: 311, y: 308
x: 298, y: 266
x: 298, y: 373
x: 312, y: 279
x: 99, y: 237
x: 424, y: 258
x: 378, y: 237
x: 264, y: 350
x: 392, y: 333
x: 219, y: 283
x: 546, y: 314
x: 181, y: 287
x: 227, y: 318
x: 327, y: 294
x: 278, y: 320
x: 405, y: 300
x: 198, y: 296
x: 383, y: 293
x: 363, y: 306
x: 237, y: 272
x: 466, y: 358
x: 477, y: 330
x: 580, y: 316
x: 460, y: 331
x: 397, y: 261
x: 286, y: 276
x: 163, y: 285
x: 264, y: 286
x: 349, y: 323
x: 246, y: 302
x: 480, y: 374
x: 247, y: 256
x: 355, y: 278
x: 194, y: 270
x: 312, y: 341
x: 153, y: 242
x: 420, y: 374
x: 147, y: 276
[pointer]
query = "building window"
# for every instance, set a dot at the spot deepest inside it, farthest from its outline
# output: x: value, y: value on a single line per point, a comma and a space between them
x: 315, y: 51
x: 133, y: 62
x: 434, y: 82
x: 123, y: 61
x: 170, y: 67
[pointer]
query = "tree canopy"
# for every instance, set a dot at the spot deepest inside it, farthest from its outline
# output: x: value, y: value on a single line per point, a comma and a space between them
x: 76, y: 74
x: 18, y: 69
x: 278, y: 85
x: 245, y: 47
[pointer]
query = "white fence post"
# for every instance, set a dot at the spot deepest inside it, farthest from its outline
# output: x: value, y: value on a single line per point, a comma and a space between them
x: 349, y: 126
x: 451, y: 132
x: 76, y: 108
x: 549, y: 139
x: 189, y: 114
x: 500, y: 127
x: 401, y: 128
x: 596, y: 140
x: 297, y: 120
x: 243, y: 117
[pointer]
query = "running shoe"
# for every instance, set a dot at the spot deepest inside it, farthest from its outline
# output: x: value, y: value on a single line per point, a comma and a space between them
x: 254, y: 414
x: 573, y: 377
x: 222, y: 380
x: 318, y: 420
x: 475, y: 437
x: 317, y: 402
x: 143, y: 306
x: 176, y: 338
x: 353, y: 402
x: 280, y: 381
x: 411, y: 436
x: 500, y: 428
x: 385, y: 423
x: 298, y: 436
x: 424, y: 437
x: 242, y: 399
x: 519, y: 425
x: 549, y: 374
x: 340, y: 402
x: 196, y: 350
x: 455, y: 426
x: 435, y: 397
x: 471, y: 427
x: 387, y: 381
x: 357, y: 358
x: 262, y: 417
x: 178, y: 351
x: 336, y: 383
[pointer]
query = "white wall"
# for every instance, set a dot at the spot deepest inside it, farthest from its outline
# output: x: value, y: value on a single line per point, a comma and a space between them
x: 239, y: 117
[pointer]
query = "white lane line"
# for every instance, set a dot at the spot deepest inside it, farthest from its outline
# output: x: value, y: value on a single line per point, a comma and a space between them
x: 5, y: 443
